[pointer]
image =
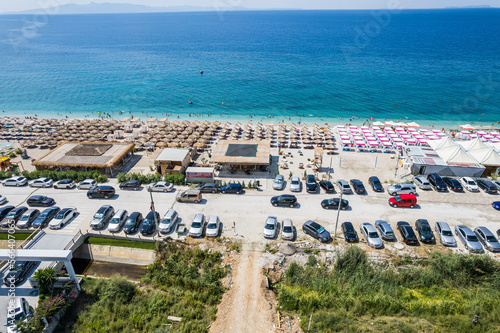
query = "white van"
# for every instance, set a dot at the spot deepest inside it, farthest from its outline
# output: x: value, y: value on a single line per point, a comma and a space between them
x: 403, y: 188
x: 117, y: 221
x: 168, y: 221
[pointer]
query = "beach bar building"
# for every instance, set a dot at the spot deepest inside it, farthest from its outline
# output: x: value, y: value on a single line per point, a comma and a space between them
x: 200, y: 174
x: 173, y: 161
x: 243, y: 154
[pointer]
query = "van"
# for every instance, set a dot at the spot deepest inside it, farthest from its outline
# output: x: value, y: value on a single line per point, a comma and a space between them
x: 117, y: 221
x: 189, y: 196
x: 403, y: 188
x: 403, y: 200
x: 168, y: 221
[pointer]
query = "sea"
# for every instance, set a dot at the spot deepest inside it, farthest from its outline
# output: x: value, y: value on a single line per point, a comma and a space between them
x: 429, y: 66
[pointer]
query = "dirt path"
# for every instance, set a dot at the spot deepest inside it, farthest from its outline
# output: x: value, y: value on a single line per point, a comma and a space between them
x: 247, y: 306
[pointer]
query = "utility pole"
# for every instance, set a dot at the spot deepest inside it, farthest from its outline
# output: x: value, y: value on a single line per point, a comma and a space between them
x: 153, y: 207
x: 330, y: 169
x: 338, y: 213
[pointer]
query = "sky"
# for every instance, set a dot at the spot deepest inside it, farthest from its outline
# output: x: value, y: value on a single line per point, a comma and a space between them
x: 10, y: 5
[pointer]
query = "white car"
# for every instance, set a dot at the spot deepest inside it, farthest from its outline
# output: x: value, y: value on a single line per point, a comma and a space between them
x: 2, y: 199
x: 168, y: 221
x: 469, y: 184
x: 41, y: 182
x: 117, y: 221
x: 161, y: 187
x: 271, y: 227
x: 371, y: 235
x: 15, y: 181
x: 87, y: 184
x: 287, y: 229
x: 197, y: 226
x: 279, y: 182
x: 65, y: 183
x: 20, y: 311
x: 422, y: 182
x: 295, y: 184
x: 213, y: 226
x: 63, y: 217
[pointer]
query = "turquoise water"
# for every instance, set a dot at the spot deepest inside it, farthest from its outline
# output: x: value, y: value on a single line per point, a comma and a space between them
x: 433, y: 66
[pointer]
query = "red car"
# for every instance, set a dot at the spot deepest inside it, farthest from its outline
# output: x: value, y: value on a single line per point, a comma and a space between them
x: 403, y: 200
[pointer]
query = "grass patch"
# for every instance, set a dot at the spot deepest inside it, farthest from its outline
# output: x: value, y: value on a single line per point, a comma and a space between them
x: 18, y: 236
x: 121, y: 243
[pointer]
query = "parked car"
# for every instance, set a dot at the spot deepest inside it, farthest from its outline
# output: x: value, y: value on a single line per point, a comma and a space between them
x: 469, y: 184
x: 21, y: 311
x: 271, y: 227
x: 287, y: 229
x: 371, y: 235
x: 422, y: 182
x: 189, y: 196
x: 344, y: 186
x: 232, y: 188
x: 287, y: 200
x: 487, y: 238
x: 453, y: 184
x: 487, y: 186
x: 168, y: 221
x: 468, y: 238
x: 45, y: 217
x: 437, y: 182
x: 403, y: 188
x: 117, y: 221
x: 132, y: 224
x: 403, y: 200
x: 497, y: 184
x: 102, y: 216
x: 65, y: 183
x: 208, y: 188
x: 197, y: 226
x: 445, y: 235
x: 496, y: 205
x: 375, y: 184
x: 40, y: 201
x: 315, y: 230
x: 358, y: 186
x: 424, y: 231
x: 41, y: 182
x: 64, y: 216
x: 311, y: 184
x: 279, y: 182
x: 131, y: 185
x: 161, y: 187
x: 103, y: 191
x: 15, y: 181
x: 2, y: 199
x: 87, y: 184
x: 407, y: 233
x: 327, y: 186
x: 334, y: 203
x: 385, y: 230
x: 295, y: 184
x: 13, y: 216
x: 18, y: 273
x: 27, y: 218
x: 350, y: 234
x: 213, y: 226
x: 148, y: 226
x: 4, y: 211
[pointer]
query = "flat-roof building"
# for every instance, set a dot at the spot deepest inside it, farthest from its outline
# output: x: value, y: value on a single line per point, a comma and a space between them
x: 173, y: 161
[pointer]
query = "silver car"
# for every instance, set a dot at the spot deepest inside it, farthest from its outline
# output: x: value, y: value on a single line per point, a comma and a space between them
x: 15, y: 181
x: 118, y: 220
x: 344, y: 186
x: 213, y: 226
x: 168, y: 221
x: 468, y: 238
x: 197, y: 226
x: 102, y: 216
x: 41, y: 182
x: 487, y: 238
x: 87, y: 184
x: 422, y: 182
x: 271, y: 227
x: 287, y: 229
x: 295, y: 184
x: 385, y: 230
x: 445, y: 235
x: 160, y: 187
x: 279, y: 182
x: 403, y: 188
x: 371, y: 235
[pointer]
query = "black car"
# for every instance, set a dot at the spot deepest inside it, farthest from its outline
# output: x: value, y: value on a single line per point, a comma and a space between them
x: 287, y: 200
x: 437, y: 182
x: 132, y: 223
x: 13, y: 216
x: 333, y: 203
x: 40, y: 200
x: 424, y: 230
x: 487, y: 186
x: 453, y: 184
x: 375, y: 184
x: 316, y: 230
x: 232, y: 188
x: 311, y: 184
x: 4, y: 211
x: 327, y: 186
x: 350, y: 234
x: 102, y: 191
x: 131, y: 185
x: 208, y: 188
x: 18, y: 272
x: 148, y: 226
x: 407, y: 233
x: 358, y: 186
x: 45, y: 217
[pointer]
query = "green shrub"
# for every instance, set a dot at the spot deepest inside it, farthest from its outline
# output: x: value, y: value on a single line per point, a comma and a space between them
x: 77, y: 176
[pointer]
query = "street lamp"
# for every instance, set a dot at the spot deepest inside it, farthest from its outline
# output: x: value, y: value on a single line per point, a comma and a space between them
x: 153, y: 207
x: 338, y: 213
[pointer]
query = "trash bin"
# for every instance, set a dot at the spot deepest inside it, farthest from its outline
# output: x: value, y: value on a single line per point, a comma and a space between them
x: 258, y: 183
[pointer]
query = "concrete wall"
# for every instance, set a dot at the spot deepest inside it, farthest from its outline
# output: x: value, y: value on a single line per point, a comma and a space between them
x: 123, y: 255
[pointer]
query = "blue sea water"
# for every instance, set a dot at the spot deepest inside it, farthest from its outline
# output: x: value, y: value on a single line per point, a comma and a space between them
x: 436, y: 66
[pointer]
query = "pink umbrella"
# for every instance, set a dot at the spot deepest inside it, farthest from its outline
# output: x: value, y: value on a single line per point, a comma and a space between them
x: 385, y: 140
x: 398, y: 144
x: 386, y: 144
x: 373, y: 143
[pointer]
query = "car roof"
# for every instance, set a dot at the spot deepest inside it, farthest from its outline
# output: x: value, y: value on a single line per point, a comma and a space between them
x: 407, y: 196
x: 150, y: 214
x: 485, y: 230
x: 104, y: 187
x: 403, y: 223
x: 19, y: 208
x: 444, y: 225
x: 198, y: 217
x: 466, y: 229
x: 467, y: 178
x: 271, y: 218
x: 423, y: 222
x: 213, y: 218
x: 374, y: 178
x: 65, y: 210
x: 88, y: 180
x: 369, y: 227
x: 343, y: 182
x: 288, y: 196
x: 169, y: 213
x: 29, y: 211
x: 295, y: 178
x: 191, y: 191
x: 313, y: 224
x: 348, y: 225
x: 287, y: 222
x: 279, y: 176
x: 120, y: 212
x: 134, y: 214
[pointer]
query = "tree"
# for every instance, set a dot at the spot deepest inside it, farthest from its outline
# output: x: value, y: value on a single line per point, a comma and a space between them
x: 45, y: 279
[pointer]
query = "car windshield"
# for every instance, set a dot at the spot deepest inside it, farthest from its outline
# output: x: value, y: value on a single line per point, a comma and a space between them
x: 426, y: 230
x: 470, y: 182
x: 98, y: 215
x: 130, y: 222
x: 397, y: 198
x: 376, y: 182
x: 332, y: 202
x: 447, y: 233
x: 472, y: 238
x: 287, y: 229
x: 11, y: 215
x: 43, y: 215
x: 397, y: 186
x: 373, y: 235
x: 114, y: 220
x: 295, y: 182
x: 60, y: 215
x: 18, y: 267
x: 491, y: 239
x: 278, y: 181
x: 24, y: 218
x: 311, y: 181
x: 212, y: 226
x: 196, y: 225
x: 320, y: 230
x: 165, y: 221
x: 389, y: 233
x: 269, y: 226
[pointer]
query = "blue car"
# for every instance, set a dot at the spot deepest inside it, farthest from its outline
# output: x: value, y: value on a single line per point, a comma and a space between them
x: 496, y: 205
x: 232, y: 188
